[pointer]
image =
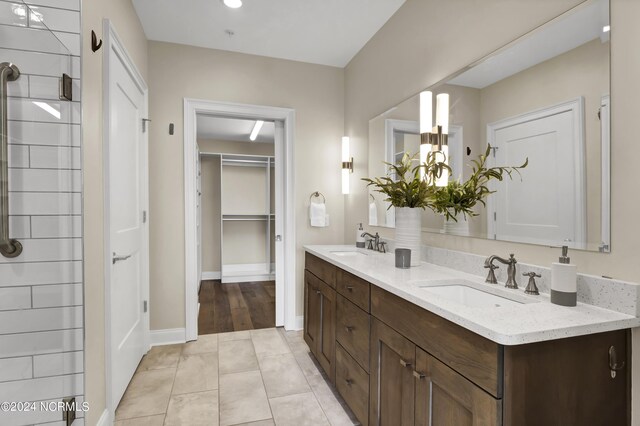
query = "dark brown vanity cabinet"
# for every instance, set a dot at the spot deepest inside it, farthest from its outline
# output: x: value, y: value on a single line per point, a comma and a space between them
x: 320, y: 313
x: 392, y: 387
x: 411, y: 387
x: 396, y: 364
x: 444, y: 397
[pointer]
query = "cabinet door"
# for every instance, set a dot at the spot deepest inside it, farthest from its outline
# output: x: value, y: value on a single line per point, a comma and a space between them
x: 312, y: 301
x: 391, y: 384
x: 327, y: 342
x: 445, y: 398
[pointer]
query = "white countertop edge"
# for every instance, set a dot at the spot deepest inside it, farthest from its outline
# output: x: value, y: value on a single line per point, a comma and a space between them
x: 617, y: 320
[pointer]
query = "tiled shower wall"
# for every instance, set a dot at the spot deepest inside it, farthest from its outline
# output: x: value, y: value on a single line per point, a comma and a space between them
x: 41, y: 292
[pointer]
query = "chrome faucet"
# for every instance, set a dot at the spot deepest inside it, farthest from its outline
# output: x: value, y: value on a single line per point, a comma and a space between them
x: 511, y: 270
x: 374, y: 242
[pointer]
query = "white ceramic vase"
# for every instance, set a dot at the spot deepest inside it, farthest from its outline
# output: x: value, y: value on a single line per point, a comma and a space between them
x: 461, y: 227
x: 409, y: 231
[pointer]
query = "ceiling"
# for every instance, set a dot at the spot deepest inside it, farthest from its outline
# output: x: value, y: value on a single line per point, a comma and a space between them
x: 328, y: 32
x: 232, y: 129
x: 554, y: 39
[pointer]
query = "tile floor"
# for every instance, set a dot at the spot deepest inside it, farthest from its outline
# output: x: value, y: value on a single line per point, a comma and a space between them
x: 257, y: 377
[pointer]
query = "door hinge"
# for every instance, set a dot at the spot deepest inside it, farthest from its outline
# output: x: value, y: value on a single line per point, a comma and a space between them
x: 145, y: 306
x: 66, y: 88
x: 144, y: 216
x: 144, y: 124
x: 495, y: 216
x: 69, y: 410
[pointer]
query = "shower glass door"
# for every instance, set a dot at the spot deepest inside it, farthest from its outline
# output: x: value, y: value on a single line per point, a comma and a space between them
x: 41, y: 287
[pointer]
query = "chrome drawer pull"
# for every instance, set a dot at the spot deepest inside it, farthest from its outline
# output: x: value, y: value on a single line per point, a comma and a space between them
x: 349, y: 382
x: 418, y: 375
x: 350, y: 288
x: 349, y: 328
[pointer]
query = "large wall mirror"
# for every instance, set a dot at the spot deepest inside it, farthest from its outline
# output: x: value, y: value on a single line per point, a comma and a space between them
x: 544, y: 97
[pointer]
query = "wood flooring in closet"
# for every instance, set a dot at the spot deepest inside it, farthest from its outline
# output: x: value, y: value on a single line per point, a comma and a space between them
x: 236, y: 306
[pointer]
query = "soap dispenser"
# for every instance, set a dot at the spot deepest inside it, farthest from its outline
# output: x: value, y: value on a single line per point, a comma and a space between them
x: 564, y: 281
x: 360, y: 242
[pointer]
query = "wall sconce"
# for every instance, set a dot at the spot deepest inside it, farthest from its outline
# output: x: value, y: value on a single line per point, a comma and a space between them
x: 434, y: 138
x: 347, y: 164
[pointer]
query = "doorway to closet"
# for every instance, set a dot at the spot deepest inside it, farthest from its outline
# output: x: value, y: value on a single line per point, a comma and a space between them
x: 284, y: 194
x: 236, y: 221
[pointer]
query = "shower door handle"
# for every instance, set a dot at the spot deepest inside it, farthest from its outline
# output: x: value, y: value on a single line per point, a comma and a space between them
x: 9, y: 247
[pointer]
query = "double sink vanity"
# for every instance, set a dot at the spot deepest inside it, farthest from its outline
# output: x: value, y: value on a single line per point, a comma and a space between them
x: 431, y: 345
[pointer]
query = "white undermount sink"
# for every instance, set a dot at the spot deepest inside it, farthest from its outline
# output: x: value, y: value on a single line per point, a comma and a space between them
x: 465, y: 293
x: 470, y: 297
x: 348, y: 253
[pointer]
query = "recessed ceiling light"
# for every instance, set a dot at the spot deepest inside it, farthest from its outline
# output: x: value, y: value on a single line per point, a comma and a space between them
x: 606, y: 28
x: 233, y: 4
x: 256, y: 130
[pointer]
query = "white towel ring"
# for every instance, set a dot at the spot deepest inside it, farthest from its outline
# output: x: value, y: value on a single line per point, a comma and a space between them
x: 318, y: 194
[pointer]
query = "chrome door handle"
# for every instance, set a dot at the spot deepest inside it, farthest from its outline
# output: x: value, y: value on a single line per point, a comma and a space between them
x: 118, y: 258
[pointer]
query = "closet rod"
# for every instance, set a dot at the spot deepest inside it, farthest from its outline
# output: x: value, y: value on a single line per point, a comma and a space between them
x: 261, y: 162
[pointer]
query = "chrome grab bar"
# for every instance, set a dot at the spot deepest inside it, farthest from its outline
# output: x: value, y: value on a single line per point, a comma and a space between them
x: 9, y: 247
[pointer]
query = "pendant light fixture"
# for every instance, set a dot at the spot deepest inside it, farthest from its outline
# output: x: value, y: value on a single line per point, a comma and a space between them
x: 434, y: 138
x: 347, y: 164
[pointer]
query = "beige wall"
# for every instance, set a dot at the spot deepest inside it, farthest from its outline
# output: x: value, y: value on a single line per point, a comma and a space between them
x: 250, y: 244
x: 315, y: 92
x: 374, y: 83
x: 127, y: 25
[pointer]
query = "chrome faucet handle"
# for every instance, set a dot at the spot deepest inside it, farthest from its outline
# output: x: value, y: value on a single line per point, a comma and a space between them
x: 532, y: 288
x: 382, y: 247
x: 511, y: 273
x: 491, y: 277
x: 370, y: 246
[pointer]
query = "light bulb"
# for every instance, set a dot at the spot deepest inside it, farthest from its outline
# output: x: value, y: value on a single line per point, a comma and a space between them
x: 233, y: 4
x: 426, y: 112
x: 442, y: 112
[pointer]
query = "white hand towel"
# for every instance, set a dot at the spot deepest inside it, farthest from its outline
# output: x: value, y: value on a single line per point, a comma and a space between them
x: 373, y: 214
x: 318, y: 214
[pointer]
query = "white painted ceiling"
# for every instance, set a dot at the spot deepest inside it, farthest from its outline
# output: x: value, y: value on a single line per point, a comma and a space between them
x: 554, y: 39
x: 328, y: 32
x: 232, y: 129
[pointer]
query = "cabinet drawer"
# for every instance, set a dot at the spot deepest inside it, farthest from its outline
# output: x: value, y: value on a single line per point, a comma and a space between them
x: 352, y: 331
x: 476, y: 358
x: 321, y: 269
x: 353, y: 384
x: 354, y: 288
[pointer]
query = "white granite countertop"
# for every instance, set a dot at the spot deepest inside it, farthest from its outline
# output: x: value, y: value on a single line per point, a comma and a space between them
x: 534, y: 319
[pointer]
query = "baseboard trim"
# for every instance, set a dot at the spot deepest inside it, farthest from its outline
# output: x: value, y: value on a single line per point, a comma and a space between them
x: 168, y: 337
x: 104, y: 419
x: 248, y: 278
x: 210, y: 275
x: 299, y: 322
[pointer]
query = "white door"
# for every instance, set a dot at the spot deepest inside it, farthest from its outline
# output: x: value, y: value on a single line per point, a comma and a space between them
x: 546, y: 206
x: 279, y: 222
x: 128, y: 236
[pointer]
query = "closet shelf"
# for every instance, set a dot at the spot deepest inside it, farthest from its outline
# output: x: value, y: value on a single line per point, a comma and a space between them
x: 237, y: 217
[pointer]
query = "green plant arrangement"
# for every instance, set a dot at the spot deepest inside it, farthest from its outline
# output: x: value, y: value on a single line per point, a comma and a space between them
x: 409, y: 185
